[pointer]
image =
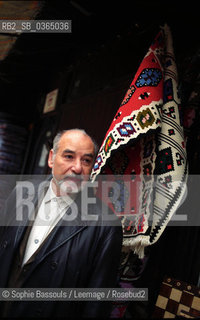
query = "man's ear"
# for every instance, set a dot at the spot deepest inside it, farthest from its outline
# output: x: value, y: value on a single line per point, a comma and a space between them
x: 50, y: 159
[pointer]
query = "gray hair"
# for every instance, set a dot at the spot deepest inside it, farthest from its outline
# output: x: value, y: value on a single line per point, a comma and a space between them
x: 57, y: 138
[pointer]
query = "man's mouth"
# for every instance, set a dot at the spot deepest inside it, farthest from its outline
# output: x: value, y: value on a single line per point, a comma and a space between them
x: 75, y: 179
x: 70, y: 184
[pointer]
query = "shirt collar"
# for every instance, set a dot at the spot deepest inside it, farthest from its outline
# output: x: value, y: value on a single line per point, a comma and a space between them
x: 50, y: 195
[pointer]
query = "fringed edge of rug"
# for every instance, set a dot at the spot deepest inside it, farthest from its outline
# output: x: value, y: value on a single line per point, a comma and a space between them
x: 140, y: 242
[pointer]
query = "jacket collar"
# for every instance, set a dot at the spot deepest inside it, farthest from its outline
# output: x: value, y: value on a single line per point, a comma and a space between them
x: 69, y: 227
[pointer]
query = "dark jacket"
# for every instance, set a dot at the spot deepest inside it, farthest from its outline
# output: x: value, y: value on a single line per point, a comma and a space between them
x: 76, y: 255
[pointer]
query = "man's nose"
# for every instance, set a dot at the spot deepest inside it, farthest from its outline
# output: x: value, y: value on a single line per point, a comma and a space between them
x: 77, y: 166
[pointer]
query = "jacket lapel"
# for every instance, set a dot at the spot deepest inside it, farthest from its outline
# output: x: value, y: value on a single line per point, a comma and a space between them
x: 56, y: 238
x: 63, y: 232
x: 27, y: 219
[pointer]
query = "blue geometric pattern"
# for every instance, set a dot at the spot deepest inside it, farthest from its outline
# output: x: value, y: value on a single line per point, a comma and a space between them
x: 98, y: 163
x: 126, y: 129
x: 149, y: 77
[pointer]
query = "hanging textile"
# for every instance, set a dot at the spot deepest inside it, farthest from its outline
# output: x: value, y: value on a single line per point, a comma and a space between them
x: 144, y: 149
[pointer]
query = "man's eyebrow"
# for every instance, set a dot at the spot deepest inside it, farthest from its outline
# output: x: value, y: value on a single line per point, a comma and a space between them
x: 89, y: 155
x: 68, y: 151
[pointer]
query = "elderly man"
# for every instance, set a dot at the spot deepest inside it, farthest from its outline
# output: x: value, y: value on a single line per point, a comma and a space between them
x: 65, y: 252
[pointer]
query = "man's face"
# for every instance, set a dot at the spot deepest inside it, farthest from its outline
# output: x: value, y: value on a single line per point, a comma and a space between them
x: 73, y: 161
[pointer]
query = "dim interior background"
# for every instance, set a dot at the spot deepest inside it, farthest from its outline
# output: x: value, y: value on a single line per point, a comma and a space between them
x: 89, y: 71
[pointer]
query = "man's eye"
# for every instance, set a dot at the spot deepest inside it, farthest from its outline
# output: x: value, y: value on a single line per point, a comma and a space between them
x: 68, y: 156
x: 87, y: 161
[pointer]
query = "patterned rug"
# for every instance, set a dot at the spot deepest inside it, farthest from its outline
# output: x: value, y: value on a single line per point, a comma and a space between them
x: 144, y: 149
